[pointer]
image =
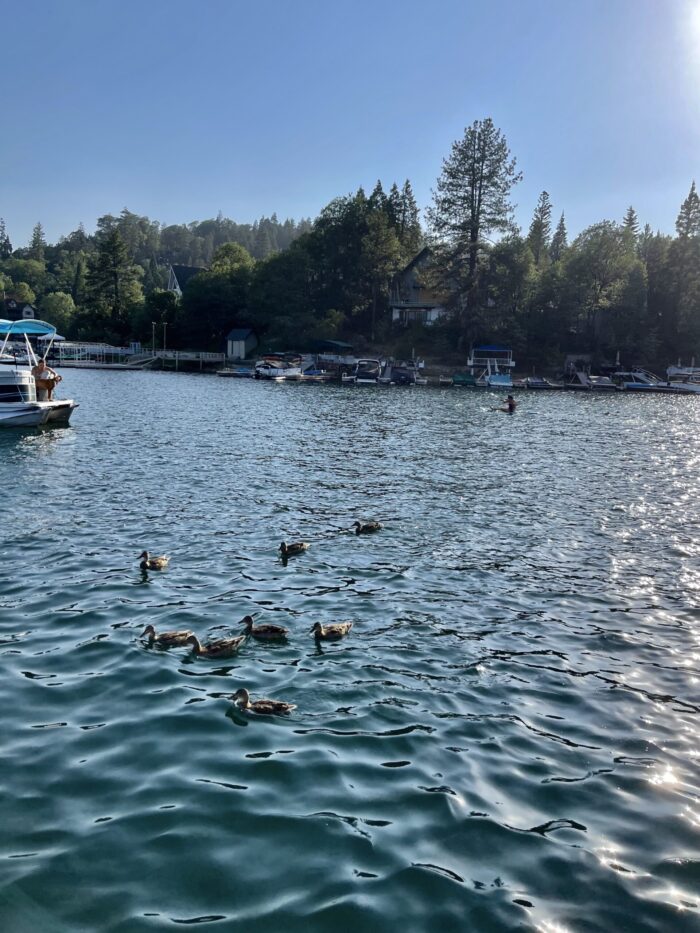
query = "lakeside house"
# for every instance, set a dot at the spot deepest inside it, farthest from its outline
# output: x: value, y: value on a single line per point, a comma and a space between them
x: 179, y: 276
x: 240, y: 342
x: 411, y: 300
x: 18, y: 310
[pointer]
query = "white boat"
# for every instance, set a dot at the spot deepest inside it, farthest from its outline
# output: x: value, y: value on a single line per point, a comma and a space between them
x: 21, y: 403
x: 277, y: 370
x: 364, y: 373
x: 639, y: 380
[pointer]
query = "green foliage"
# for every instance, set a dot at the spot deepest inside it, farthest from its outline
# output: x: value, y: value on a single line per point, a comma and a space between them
x: 472, y: 202
x: 5, y: 245
x: 21, y: 292
x: 58, y: 308
x: 113, y: 286
x: 688, y: 222
x: 37, y: 244
x: 540, y: 232
x: 559, y: 241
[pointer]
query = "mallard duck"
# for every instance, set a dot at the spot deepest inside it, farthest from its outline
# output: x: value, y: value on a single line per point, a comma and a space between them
x: 264, y: 632
x: 366, y: 528
x: 268, y: 707
x: 152, y: 563
x: 331, y: 632
x: 223, y: 648
x: 166, y: 639
x: 289, y: 550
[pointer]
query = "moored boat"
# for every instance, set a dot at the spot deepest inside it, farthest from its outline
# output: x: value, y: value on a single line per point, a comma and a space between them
x: 365, y: 372
x: 23, y: 402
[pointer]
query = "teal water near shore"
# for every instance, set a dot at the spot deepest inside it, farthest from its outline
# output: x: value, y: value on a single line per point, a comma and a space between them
x: 508, y: 740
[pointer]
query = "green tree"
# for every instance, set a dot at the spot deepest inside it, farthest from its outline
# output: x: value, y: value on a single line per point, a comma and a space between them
x: 37, y: 244
x: 113, y: 284
x: 631, y: 222
x: 688, y: 222
x: 58, y: 308
x: 5, y: 245
x: 215, y: 301
x: 21, y: 292
x: 540, y: 232
x: 559, y: 241
x: 598, y: 269
x: 380, y: 259
x: 472, y: 201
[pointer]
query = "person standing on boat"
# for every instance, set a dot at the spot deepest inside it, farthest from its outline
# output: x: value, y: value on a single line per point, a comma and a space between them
x: 45, y: 378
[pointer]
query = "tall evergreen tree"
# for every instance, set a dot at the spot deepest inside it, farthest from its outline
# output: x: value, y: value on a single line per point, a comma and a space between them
x: 471, y: 201
x: 408, y: 222
x: 37, y: 244
x: 5, y: 245
x: 688, y: 222
x: 631, y: 222
x: 559, y: 241
x: 538, y: 237
x: 113, y: 281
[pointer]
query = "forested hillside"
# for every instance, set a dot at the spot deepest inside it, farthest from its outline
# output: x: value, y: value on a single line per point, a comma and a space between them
x: 616, y: 286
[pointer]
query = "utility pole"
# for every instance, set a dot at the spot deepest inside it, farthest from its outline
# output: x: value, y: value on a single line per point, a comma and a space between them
x: 165, y: 324
x: 153, y: 338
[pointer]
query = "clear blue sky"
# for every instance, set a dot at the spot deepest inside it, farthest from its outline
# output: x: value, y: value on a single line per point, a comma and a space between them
x: 178, y: 110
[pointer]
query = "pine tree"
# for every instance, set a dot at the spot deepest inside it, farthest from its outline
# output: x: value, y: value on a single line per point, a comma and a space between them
x: 631, y: 222
x: 559, y: 241
x: 113, y: 280
x: 538, y: 238
x: 409, y: 229
x: 377, y: 200
x: 688, y: 222
x: 37, y: 243
x: 471, y: 201
x: 5, y: 245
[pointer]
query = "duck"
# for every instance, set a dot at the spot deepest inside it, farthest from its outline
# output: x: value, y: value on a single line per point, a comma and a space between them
x: 152, y: 563
x: 289, y: 550
x: 166, y: 639
x: 267, y: 707
x: 223, y: 648
x: 265, y: 632
x: 331, y: 632
x: 366, y: 528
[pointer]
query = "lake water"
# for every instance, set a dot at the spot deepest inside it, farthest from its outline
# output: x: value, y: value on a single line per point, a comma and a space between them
x: 508, y: 740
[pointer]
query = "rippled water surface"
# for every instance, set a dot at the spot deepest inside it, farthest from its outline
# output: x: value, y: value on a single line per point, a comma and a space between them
x: 508, y: 739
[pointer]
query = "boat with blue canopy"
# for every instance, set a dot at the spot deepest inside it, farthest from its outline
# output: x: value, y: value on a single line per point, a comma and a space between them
x: 26, y: 394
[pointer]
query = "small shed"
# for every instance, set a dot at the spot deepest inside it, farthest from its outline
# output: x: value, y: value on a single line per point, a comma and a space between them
x: 240, y: 342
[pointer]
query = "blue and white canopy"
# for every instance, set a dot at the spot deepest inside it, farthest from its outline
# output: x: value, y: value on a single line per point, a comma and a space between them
x: 29, y: 326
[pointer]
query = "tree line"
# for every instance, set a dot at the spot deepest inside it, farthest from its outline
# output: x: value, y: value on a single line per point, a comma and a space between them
x: 617, y: 286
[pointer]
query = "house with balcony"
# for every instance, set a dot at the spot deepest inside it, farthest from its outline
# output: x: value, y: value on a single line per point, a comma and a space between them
x: 411, y: 300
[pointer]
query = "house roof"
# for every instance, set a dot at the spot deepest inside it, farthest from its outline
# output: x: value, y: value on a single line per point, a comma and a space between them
x: 333, y: 345
x: 239, y: 333
x: 184, y: 273
x: 417, y: 259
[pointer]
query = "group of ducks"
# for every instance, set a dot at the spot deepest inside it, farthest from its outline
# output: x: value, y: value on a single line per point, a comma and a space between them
x: 226, y: 647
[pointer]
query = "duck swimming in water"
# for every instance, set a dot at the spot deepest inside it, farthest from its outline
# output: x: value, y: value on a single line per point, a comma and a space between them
x: 152, y: 563
x: 223, y: 648
x: 289, y: 550
x: 266, y: 707
x: 366, y: 528
x: 265, y: 632
x: 166, y: 639
x: 331, y: 632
